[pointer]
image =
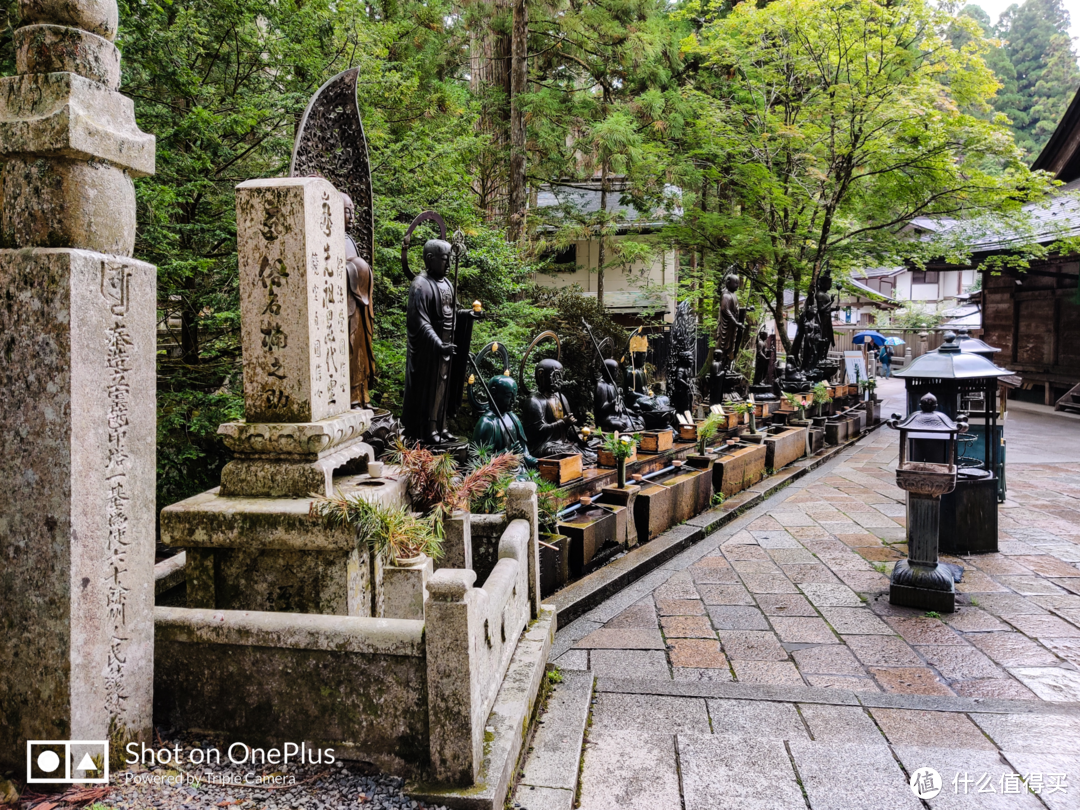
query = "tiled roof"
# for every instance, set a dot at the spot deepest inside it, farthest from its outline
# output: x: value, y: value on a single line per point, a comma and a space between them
x: 584, y: 198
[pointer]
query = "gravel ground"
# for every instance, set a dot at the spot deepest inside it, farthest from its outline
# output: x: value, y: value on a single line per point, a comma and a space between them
x: 292, y: 787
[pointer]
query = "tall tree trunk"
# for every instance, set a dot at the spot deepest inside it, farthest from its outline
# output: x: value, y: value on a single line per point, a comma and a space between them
x: 601, y: 257
x: 189, y: 325
x: 519, y: 76
x: 490, y: 56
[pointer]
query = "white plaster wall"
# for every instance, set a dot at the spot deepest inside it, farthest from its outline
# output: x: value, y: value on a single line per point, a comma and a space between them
x: 662, y: 273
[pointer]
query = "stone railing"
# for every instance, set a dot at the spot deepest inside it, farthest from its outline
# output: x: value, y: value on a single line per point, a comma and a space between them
x: 411, y: 696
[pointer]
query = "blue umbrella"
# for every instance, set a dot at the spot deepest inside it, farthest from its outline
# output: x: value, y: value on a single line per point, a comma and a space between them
x: 894, y: 341
x: 876, y: 338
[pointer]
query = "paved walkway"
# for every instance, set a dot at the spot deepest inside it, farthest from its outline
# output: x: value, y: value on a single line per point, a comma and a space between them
x: 765, y: 667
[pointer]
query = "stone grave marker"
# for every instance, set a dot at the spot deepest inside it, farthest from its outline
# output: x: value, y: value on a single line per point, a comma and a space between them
x: 78, y: 411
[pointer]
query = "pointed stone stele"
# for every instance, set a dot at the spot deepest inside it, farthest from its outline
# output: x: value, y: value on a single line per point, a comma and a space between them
x: 78, y: 411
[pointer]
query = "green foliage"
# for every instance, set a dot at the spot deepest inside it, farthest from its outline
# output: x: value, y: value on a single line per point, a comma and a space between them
x: 932, y: 614
x: 620, y: 445
x: 821, y: 393
x: 912, y: 315
x: 820, y: 129
x: 397, y: 533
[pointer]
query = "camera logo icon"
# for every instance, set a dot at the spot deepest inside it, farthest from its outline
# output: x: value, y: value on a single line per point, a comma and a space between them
x: 65, y: 762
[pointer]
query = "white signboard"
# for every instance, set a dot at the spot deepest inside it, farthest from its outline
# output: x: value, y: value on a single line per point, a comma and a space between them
x: 854, y: 362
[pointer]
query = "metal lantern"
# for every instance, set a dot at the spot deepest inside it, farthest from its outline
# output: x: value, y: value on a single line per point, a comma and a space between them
x: 965, y: 382
x: 927, y: 470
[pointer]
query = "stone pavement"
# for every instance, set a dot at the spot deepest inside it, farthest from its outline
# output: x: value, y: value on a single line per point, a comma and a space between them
x: 764, y: 667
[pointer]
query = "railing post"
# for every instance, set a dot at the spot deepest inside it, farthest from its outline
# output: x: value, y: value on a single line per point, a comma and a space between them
x: 454, y: 619
x: 521, y: 502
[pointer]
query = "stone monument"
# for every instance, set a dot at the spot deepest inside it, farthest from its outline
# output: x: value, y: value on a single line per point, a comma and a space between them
x: 78, y: 415
x: 252, y: 545
x: 299, y: 427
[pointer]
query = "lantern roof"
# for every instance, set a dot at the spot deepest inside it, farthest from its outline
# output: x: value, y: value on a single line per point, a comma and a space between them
x: 951, y: 363
x: 973, y: 345
x: 928, y: 419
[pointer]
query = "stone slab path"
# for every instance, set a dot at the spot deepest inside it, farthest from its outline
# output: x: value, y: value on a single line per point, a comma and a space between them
x: 764, y: 667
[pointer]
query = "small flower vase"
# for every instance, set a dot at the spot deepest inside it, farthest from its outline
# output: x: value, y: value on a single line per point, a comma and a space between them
x: 753, y: 422
x: 620, y: 466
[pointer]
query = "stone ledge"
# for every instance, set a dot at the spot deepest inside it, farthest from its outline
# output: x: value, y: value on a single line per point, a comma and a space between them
x: 211, y: 520
x: 169, y: 573
x: 832, y: 697
x: 296, y: 631
x: 506, y: 728
x: 307, y: 441
x: 66, y: 115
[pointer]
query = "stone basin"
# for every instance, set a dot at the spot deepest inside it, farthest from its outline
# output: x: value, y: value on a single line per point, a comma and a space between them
x: 738, y: 468
x: 784, y: 445
x: 654, y: 508
x: 554, y: 562
x: 688, y: 484
x: 589, y: 530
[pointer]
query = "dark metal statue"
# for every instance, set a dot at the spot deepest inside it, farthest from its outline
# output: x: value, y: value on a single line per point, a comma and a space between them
x: 498, y: 426
x: 730, y: 331
x: 550, y: 425
x: 437, y: 350
x: 609, y: 408
x: 682, y: 362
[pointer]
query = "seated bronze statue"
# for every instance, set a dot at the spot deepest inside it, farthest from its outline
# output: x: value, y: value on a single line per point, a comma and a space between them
x: 500, y: 429
x: 608, y: 406
x: 550, y: 426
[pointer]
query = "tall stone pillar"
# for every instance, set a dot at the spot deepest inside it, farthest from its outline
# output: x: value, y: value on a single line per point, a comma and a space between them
x: 77, y: 390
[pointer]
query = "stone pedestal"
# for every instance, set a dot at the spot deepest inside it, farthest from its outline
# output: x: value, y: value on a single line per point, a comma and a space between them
x: 921, y: 581
x: 404, y: 589
x: 77, y: 415
x: 269, y: 554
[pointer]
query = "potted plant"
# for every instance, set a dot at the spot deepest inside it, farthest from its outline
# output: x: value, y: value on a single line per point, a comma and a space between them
x: 745, y: 408
x: 799, y: 406
x: 872, y: 405
x: 821, y: 397
x: 707, y: 429
x: 397, y: 533
x: 620, y: 448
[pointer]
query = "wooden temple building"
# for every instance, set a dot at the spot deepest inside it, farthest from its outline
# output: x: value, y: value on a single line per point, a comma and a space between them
x: 1033, y: 315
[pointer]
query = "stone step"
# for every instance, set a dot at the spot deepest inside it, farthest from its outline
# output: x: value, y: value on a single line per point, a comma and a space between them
x: 549, y: 778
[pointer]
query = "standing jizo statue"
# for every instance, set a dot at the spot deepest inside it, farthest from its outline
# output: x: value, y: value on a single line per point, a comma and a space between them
x: 361, y: 294
x: 438, y: 340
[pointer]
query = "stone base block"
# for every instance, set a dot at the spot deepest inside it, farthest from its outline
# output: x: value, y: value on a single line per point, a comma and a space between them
x: 277, y: 478
x: 351, y: 684
x: 404, y: 589
x: 922, y: 598
x: 77, y: 469
x: 270, y: 554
